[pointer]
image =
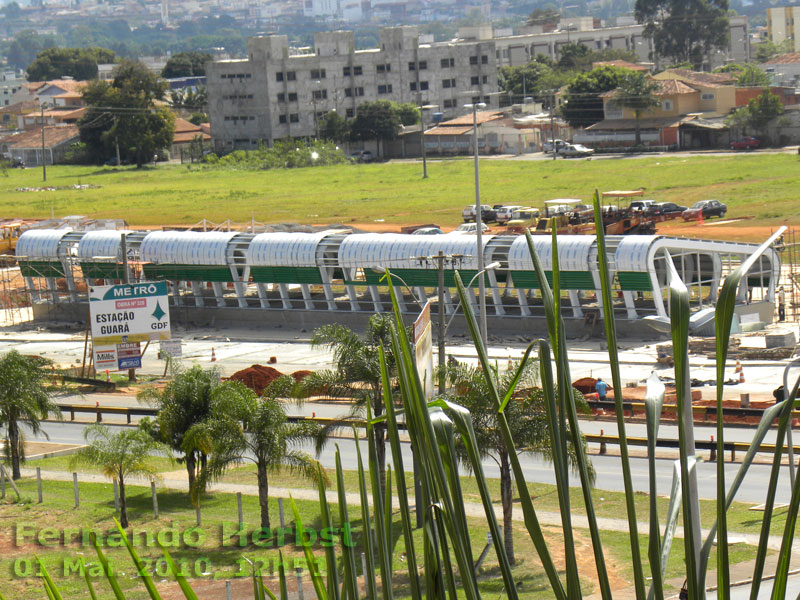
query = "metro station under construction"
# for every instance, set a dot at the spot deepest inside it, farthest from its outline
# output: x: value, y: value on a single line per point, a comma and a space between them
x: 290, y: 277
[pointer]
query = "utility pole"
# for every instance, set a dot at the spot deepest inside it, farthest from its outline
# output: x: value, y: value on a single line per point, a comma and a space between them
x: 126, y: 278
x: 440, y: 313
x: 44, y: 161
x: 553, y: 123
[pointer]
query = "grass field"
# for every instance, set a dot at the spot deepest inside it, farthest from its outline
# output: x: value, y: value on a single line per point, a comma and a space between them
x: 218, y: 556
x: 760, y: 185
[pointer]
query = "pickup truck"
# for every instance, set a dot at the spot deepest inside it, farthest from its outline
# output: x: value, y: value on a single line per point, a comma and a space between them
x: 488, y: 214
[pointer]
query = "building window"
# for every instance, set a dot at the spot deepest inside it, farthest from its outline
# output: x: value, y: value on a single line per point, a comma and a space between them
x: 485, y: 79
x: 385, y: 89
x: 423, y: 65
x: 346, y: 71
x: 412, y: 66
x: 384, y: 68
x: 291, y: 76
x: 281, y: 97
x: 446, y: 63
x: 448, y: 83
x: 350, y: 113
x: 320, y: 94
x: 449, y: 103
x: 292, y: 96
x: 485, y: 59
x: 474, y: 80
x: 317, y: 73
x: 707, y: 96
x: 473, y: 60
x: 475, y: 99
x: 487, y: 100
x: 412, y: 86
x: 359, y: 91
x: 279, y: 76
x: 294, y: 118
x: 423, y: 85
x: 666, y: 105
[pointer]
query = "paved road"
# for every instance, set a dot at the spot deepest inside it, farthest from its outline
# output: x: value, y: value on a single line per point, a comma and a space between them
x: 536, y: 470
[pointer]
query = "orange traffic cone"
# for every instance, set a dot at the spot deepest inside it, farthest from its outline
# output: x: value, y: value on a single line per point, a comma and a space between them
x: 738, y: 368
x: 213, y: 355
x: 108, y: 375
x: 741, y: 376
x: 700, y: 218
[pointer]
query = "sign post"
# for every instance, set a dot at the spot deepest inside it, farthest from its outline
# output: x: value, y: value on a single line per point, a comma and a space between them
x: 123, y: 316
x: 423, y: 349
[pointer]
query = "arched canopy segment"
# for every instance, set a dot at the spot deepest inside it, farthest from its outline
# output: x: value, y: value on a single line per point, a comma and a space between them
x: 577, y: 261
x: 39, y: 254
x: 187, y: 255
x: 284, y: 257
x: 405, y: 256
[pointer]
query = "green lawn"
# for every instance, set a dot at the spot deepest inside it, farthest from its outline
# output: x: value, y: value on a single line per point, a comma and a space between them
x: 219, y: 555
x: 761, y: 185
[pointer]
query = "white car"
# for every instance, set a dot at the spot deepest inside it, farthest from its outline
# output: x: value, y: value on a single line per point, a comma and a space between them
x: 505, y: 213
x: 468, y: 228
x: 575, y: 151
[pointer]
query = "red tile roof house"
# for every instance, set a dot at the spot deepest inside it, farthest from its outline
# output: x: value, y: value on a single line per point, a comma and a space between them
x: 27, y: 145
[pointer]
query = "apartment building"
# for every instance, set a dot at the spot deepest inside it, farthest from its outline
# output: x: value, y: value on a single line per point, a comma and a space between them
x: 783, y: 23
x: 276, y: 93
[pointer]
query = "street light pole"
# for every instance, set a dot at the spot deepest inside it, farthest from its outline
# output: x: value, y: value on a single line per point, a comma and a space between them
x: 479, y: 223
x: 44, y: 161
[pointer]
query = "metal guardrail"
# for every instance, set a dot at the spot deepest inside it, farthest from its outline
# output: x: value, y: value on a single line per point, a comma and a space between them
x: 704, y: 411
x: 710, y: 445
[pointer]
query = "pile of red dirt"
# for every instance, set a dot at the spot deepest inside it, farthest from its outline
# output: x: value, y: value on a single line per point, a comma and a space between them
x: 257, y: 377
x: 300, y: 375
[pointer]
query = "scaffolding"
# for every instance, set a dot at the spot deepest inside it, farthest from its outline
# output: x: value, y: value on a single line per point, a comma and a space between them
x: 14, y: 296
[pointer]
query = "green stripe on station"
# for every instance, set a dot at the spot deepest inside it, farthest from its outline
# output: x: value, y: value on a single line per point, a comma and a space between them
x: 265, y: 274
x: 421, y: 277
x: 570, y: 280
x: 635, y: 281
x: 96, y: 270
x: 41, y: 268
x: 188, y: 273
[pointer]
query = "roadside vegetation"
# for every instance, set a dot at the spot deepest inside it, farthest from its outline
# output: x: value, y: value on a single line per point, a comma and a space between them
x: 761, y: 186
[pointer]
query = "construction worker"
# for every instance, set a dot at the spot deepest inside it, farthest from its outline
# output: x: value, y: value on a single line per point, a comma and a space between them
x: 601, y: 387
x: 781, y: 304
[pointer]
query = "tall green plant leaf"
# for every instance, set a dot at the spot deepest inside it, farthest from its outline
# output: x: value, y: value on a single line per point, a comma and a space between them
x: 350, y: 577
x: 723, y: 319
x: 529, y: 513
x: 187, y: 590
x: 561, y: 469
x: 140, y: 566
x: 311, y: 560
x: 330, y: 552
x: 381, y: 524
x: 86, y: 577
x: 569, y: 412
x: 679, y: 318
x: 107, y: 571
x: 49, y: 584
x: 282, y: 577
x: 400, y: 476
x: 654, y: 401
x: 673, y: 512
x: 370, y: 585
x: 613, y: 357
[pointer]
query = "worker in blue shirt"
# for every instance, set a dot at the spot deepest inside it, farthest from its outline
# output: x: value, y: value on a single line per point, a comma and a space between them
x: 601, y: 387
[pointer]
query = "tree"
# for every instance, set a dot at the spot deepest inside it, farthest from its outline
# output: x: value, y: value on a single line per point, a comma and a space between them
x: 24, y: 400
x: 769, y: 49
x: 356, y: 371
x: 377, y: 120
x: 186, y: 64
x: 408, y: 113
x: 573, y: 55
x: 543, y: 16
x: 751, y: 76
x: 185, y: 402
x: 334, y: 127
x: 125, y: 112
x: 685, y: 30
x: 127, y: 453
x: 189, y: 98
x: 243, y: 427
x: 637, y: 92
x: 582, y: 105
x: 78, y: 63
x: 525, y: 414
x: 25, y: 46
x: 757, y: 114
x: 534, y: 78
x: 11, y: 11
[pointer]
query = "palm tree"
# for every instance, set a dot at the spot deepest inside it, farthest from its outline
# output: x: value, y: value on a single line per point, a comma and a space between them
x: 23, y: 401
x: 127, y: 453
x: 637, y: 91
x: 183, y: 403
x: 526, y: 416
x: 243, y: 427
x: 356, y: 373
